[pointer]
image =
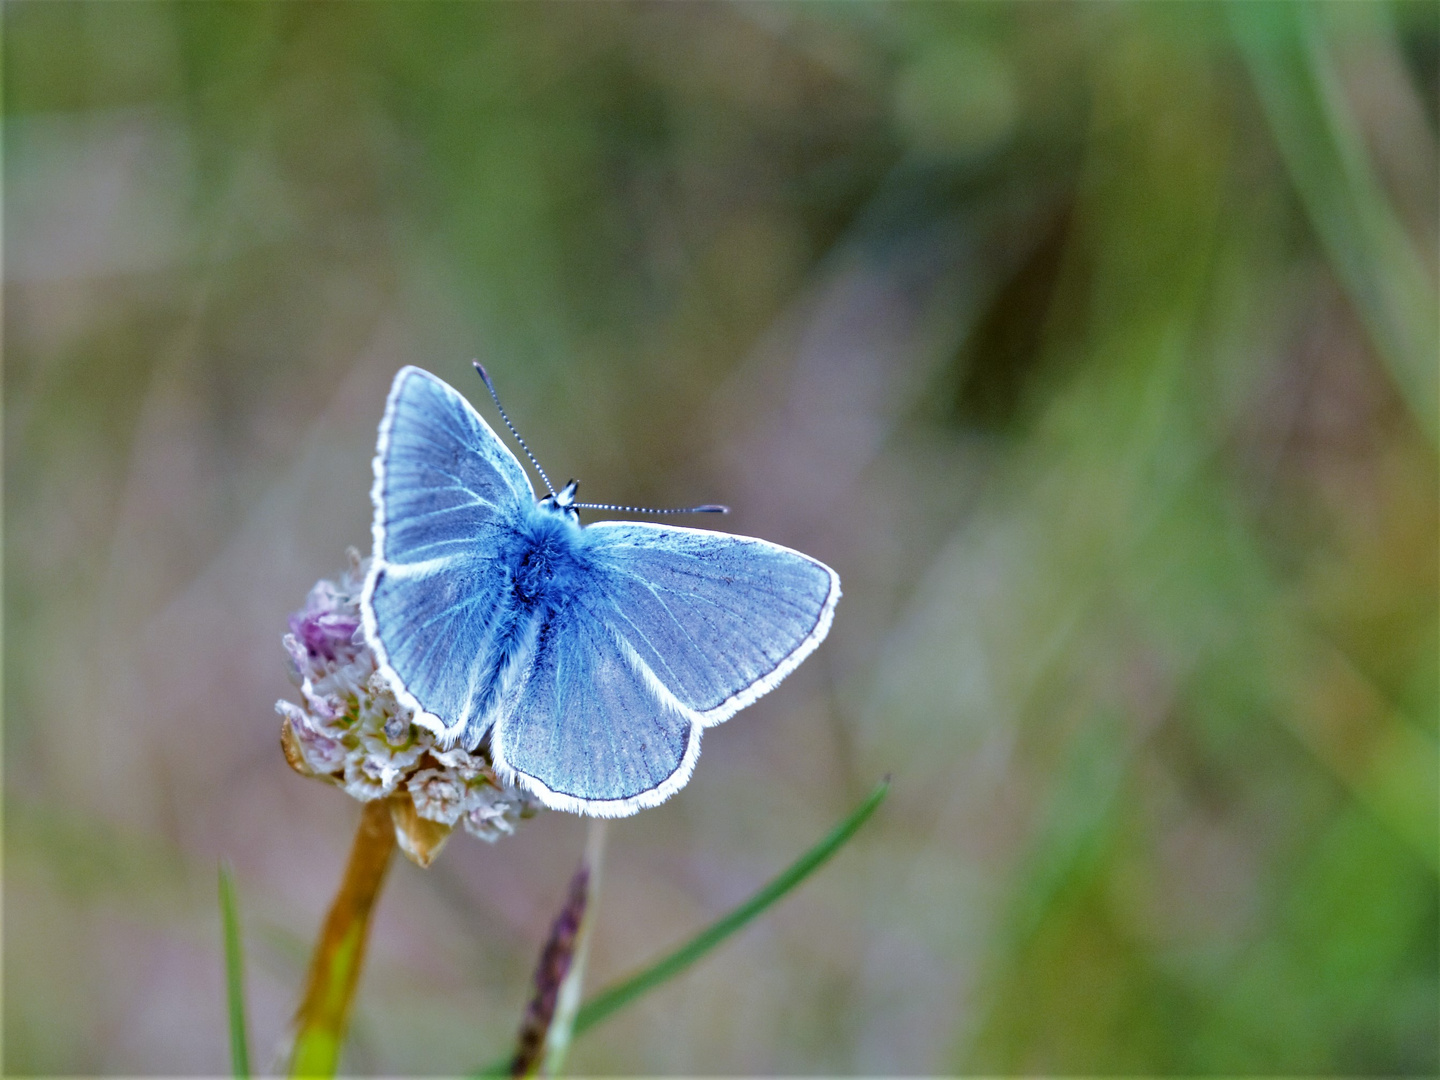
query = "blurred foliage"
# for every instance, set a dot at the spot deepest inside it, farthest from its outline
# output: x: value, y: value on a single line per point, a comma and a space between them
x: 1095, y: 346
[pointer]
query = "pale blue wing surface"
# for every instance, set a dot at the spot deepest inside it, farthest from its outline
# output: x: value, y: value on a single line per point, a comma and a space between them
x: 587, y: 731
x: 442, y: 477
x: 447, y: 495
x: 662, y: 631
x: 718, y: 619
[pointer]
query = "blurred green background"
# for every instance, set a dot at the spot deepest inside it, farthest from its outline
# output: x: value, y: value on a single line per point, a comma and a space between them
x: 1094, y: 345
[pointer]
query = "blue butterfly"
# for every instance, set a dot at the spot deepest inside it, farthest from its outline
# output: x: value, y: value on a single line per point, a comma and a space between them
x: 591, y: 657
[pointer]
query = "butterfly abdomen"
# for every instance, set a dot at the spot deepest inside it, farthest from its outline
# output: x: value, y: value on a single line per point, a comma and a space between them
x: 542, y: 560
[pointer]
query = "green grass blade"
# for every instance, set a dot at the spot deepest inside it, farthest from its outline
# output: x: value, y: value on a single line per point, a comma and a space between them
x: 615, y: 998
x: 234, y: 974
x: 611, y: 1000
x: 1288, y: 50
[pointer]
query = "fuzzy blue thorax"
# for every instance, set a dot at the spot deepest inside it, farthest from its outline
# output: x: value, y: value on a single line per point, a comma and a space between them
x: 548, y: 558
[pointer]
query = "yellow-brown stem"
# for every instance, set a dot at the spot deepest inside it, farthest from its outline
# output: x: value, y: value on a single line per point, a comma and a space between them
x: 324, y: 1011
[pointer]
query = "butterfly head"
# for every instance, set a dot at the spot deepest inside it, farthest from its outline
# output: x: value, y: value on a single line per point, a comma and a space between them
x: 562, y: 502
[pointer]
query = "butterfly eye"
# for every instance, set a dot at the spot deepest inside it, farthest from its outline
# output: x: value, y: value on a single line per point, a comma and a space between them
x: 563, y: 502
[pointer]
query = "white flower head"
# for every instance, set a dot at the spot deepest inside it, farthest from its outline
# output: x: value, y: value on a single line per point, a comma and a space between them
x: 350, y: 731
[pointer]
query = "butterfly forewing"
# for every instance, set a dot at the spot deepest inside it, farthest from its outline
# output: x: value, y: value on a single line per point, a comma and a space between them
x: 442, y: 477
x: 446, y: 495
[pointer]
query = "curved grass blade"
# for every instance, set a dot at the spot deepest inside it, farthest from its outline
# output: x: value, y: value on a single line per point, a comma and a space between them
x: 1289, y: 53
x: 611, y: 1000
x: 234, y: 974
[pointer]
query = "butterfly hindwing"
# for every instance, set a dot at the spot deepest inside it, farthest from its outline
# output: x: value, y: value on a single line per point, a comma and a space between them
x: 447, y: 494
x: 587, y: 730
x: 665, y: 631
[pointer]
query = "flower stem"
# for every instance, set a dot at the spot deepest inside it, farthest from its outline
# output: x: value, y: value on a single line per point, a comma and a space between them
x: 324, y: 1012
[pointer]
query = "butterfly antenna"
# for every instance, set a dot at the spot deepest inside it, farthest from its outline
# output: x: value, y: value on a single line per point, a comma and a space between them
x: 708, y: 508
x: 503, y: 416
